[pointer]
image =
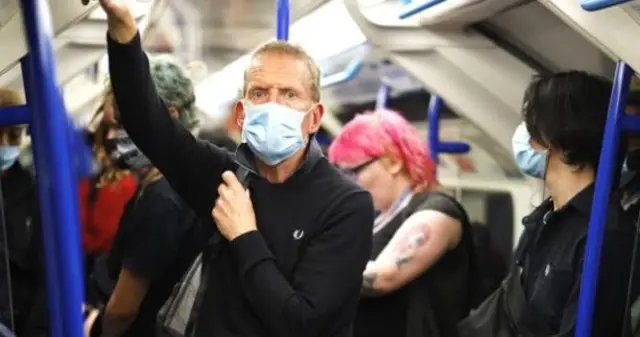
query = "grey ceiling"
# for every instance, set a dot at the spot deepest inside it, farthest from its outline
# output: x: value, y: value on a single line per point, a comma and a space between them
x: 230, y: 28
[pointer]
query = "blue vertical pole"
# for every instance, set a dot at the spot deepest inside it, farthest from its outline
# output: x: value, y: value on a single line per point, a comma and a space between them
x: 433, y: 123
x: 283, y: 20
x: 604, y: 178
x: 383, y: 96
x: 57, y: 186
x: 48, y: 241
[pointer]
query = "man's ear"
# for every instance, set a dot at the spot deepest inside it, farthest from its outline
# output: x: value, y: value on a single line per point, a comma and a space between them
x: 315, y: 118
x: 238, y: 113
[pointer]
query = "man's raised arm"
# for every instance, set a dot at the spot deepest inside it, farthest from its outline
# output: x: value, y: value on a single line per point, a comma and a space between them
x: 191, y: 166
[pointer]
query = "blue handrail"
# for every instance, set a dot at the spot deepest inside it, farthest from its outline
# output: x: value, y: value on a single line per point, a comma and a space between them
x: 56, y: 179
x: 283, y: 19
x: 604, y: 179
x: 596, y: 5
x: 14, y: 115
x: 416, y: 7
x: 349, y: 73
x: 435, y: 145
x: 383, y: 95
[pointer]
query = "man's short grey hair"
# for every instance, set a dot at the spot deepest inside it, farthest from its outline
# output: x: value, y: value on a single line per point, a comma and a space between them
x: 175, y: 87
x: 288, y: 48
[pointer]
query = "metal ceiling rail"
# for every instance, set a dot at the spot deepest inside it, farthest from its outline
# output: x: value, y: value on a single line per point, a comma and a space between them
x: 617, y: 122
x: 596, y: 5
x: 56, y: 171
x: 415, y: 7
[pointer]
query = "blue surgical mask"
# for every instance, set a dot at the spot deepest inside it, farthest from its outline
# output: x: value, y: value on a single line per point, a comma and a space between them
x: 529, y: 160
x: 272, y: 131
x: 8, y: 156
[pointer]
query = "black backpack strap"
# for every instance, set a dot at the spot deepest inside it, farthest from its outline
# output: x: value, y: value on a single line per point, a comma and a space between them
x: 208, y: 255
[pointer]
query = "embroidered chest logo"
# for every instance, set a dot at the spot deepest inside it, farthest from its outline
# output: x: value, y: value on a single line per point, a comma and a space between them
x: 546, y: 270
x: 298, y: 234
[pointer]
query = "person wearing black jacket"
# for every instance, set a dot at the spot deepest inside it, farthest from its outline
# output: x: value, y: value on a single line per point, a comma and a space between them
x: 560, y: 142
x: 21, y: 218
x: 295, y: 245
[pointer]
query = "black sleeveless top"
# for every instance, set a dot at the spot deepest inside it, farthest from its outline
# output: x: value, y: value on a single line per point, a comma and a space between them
x: 432, y: 304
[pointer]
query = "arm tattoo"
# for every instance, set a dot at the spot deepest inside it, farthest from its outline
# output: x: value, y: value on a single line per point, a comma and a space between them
x: 407, y: 250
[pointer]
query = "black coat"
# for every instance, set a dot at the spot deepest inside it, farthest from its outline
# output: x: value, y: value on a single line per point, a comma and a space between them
x: 23, y: 228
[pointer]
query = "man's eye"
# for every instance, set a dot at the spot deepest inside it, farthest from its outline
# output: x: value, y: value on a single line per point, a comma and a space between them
x: 291, y: 94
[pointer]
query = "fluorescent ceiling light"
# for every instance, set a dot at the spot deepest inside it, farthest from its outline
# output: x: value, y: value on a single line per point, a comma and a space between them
x: 326, y: 32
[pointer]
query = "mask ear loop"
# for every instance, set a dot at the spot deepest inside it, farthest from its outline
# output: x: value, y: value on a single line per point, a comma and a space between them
x: 5, y: 246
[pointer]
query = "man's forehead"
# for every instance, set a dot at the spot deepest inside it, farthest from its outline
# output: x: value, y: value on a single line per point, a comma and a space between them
x: 276, y: 63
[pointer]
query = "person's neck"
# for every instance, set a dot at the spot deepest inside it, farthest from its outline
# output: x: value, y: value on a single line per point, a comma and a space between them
x: 399, y: 187
x: 280, y: 173
x: 564, y: 182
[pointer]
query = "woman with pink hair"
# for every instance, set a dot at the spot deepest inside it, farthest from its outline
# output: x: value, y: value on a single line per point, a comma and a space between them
x: 419, y: 279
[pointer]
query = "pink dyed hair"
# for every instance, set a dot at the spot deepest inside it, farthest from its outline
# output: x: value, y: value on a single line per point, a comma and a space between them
x: 375, y: 134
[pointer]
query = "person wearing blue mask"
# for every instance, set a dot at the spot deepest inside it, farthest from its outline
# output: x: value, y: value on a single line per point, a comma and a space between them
x: 560, y: 143
x: 286, y: 255
x: 21, y: 220
x: 530, y: 161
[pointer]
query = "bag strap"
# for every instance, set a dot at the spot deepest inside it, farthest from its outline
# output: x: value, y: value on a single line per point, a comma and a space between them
x: 208, y: 254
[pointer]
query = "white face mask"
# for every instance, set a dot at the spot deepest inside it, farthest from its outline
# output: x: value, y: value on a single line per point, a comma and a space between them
x: 272, y: 131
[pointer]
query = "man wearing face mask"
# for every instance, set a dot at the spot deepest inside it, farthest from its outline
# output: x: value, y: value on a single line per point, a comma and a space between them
x: 157, y: 236
x: 560, y: 143
x: 295, y: 244
x: 21, y: 218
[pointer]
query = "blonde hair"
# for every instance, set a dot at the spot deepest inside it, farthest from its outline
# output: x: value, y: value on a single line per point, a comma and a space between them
x: 110, y: 173
x: 291, y: 49
x: 10, y: 97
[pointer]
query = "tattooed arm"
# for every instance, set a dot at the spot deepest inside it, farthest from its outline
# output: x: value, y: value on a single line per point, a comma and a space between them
x: 417, y: 245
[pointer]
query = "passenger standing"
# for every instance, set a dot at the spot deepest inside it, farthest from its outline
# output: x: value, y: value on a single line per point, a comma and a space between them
x: 565, y: 115
x: 294, y: 247
x: 21, y: 218
x: 102, y: 200
x: 420, y: 275
x: 157, y: 237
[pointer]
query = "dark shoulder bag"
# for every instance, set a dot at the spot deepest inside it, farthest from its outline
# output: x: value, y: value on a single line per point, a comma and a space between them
x: 178, y: 315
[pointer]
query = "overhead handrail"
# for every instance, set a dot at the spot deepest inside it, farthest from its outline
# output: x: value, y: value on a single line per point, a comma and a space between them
x: 616, y: 123
x: 15, y: 115
x: 415, y: 7
x: 596, y: 5
x: 349, y: 73
x: 283, y: 19
x: 433, y: 136
x: 56, y: 179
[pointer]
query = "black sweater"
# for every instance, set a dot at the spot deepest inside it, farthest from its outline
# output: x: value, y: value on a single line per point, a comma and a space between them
x: 300, y: 273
